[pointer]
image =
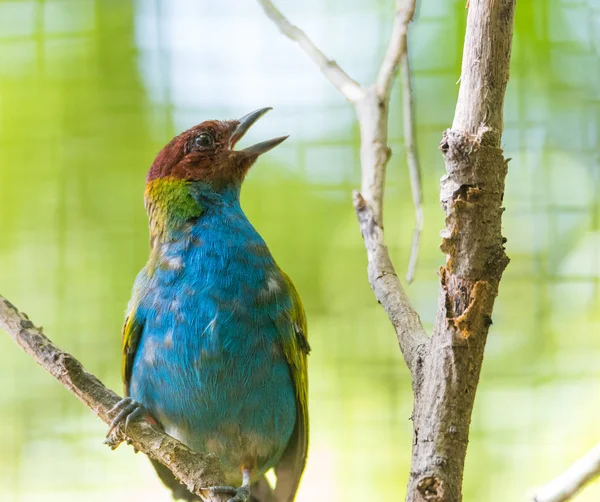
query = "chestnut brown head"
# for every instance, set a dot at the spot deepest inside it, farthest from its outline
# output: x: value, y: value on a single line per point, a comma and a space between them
x: 206, y: 153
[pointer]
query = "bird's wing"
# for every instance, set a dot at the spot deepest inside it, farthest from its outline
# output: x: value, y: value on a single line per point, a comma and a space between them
x: 132, y: 331
x: 295, y: 348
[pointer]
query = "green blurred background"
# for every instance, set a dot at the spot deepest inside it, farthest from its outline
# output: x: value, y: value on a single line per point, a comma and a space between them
x: 90, y: 90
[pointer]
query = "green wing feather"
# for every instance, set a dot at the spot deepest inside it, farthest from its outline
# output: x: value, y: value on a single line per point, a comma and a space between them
x: 132, y: 330
x: 295, y: 348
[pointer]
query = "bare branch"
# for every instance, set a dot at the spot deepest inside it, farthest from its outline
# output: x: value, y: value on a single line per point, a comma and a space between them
x: 445, y: 369
x: 387, y: 288
x: 478, y: 97
x: 570, y: 482
x: 350, y: 89
x: 414, y: 167
x: 195, y: 470
x: 372, y: 109
x: 471, y: 195
x: 372, y: 112
x: 405, y: 10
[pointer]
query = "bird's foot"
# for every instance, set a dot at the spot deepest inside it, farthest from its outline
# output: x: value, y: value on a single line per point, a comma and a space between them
x: 127, y: 410
x: 241, y: 494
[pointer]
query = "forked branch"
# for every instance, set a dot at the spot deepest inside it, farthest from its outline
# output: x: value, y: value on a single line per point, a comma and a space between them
x: 445, y: 368
x: 372, y: 108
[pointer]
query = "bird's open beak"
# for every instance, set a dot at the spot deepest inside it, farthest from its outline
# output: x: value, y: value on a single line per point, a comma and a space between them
x: 242, y: 127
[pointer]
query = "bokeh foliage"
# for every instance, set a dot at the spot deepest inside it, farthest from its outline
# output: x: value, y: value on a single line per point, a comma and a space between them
x: 91, y: 89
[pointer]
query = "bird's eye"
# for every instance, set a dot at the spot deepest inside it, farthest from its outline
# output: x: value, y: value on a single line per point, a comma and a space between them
x: 203, y: 140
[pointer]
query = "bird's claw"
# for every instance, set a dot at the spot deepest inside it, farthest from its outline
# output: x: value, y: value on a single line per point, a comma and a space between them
x: 241, y: 494
x: 127, y: 409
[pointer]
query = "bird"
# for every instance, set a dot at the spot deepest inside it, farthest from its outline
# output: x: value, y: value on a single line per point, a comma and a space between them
x: 214, y: 344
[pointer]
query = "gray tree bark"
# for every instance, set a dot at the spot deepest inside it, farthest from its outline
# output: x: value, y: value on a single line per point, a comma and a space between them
x: 471, y: 196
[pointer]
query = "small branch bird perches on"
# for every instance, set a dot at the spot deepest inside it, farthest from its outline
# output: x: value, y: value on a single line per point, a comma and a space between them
x: 195, y: 470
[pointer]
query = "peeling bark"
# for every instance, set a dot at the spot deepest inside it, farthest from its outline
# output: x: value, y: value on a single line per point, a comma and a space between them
x: 471, y: 196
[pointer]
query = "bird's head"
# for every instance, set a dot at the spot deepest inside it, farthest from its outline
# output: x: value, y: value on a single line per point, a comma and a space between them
x: 198, y: 169
x: 206, y: 153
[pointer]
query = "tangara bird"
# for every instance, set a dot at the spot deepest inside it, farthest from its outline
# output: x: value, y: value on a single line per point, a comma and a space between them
x: 214, y: 343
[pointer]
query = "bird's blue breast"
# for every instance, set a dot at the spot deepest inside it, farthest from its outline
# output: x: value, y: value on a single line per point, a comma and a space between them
x: 209, y: 365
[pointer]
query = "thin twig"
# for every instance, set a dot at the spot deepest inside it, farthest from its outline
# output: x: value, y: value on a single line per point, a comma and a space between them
x: 570, y: 482
x: 195, y: 470
x: 350, y: 89
x: 412, y: 157
x: 405, y: 10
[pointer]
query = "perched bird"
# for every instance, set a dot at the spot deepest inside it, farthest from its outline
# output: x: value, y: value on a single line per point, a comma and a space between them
x: 214, y: 343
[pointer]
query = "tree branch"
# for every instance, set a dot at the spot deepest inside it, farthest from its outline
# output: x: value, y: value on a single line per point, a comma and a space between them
x: 387, y: 288
x: 446, y: 369
x: 570, y: 482
x: 195, y: 470
x: 471, y: 195
x: 372, y: 112
x: 350, y: 89
x: 372, y: 109
x: 397, y: 46
x: 414, y: 168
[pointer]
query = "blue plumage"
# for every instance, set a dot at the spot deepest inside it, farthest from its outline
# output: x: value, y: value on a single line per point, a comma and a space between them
x: 209, y: 366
